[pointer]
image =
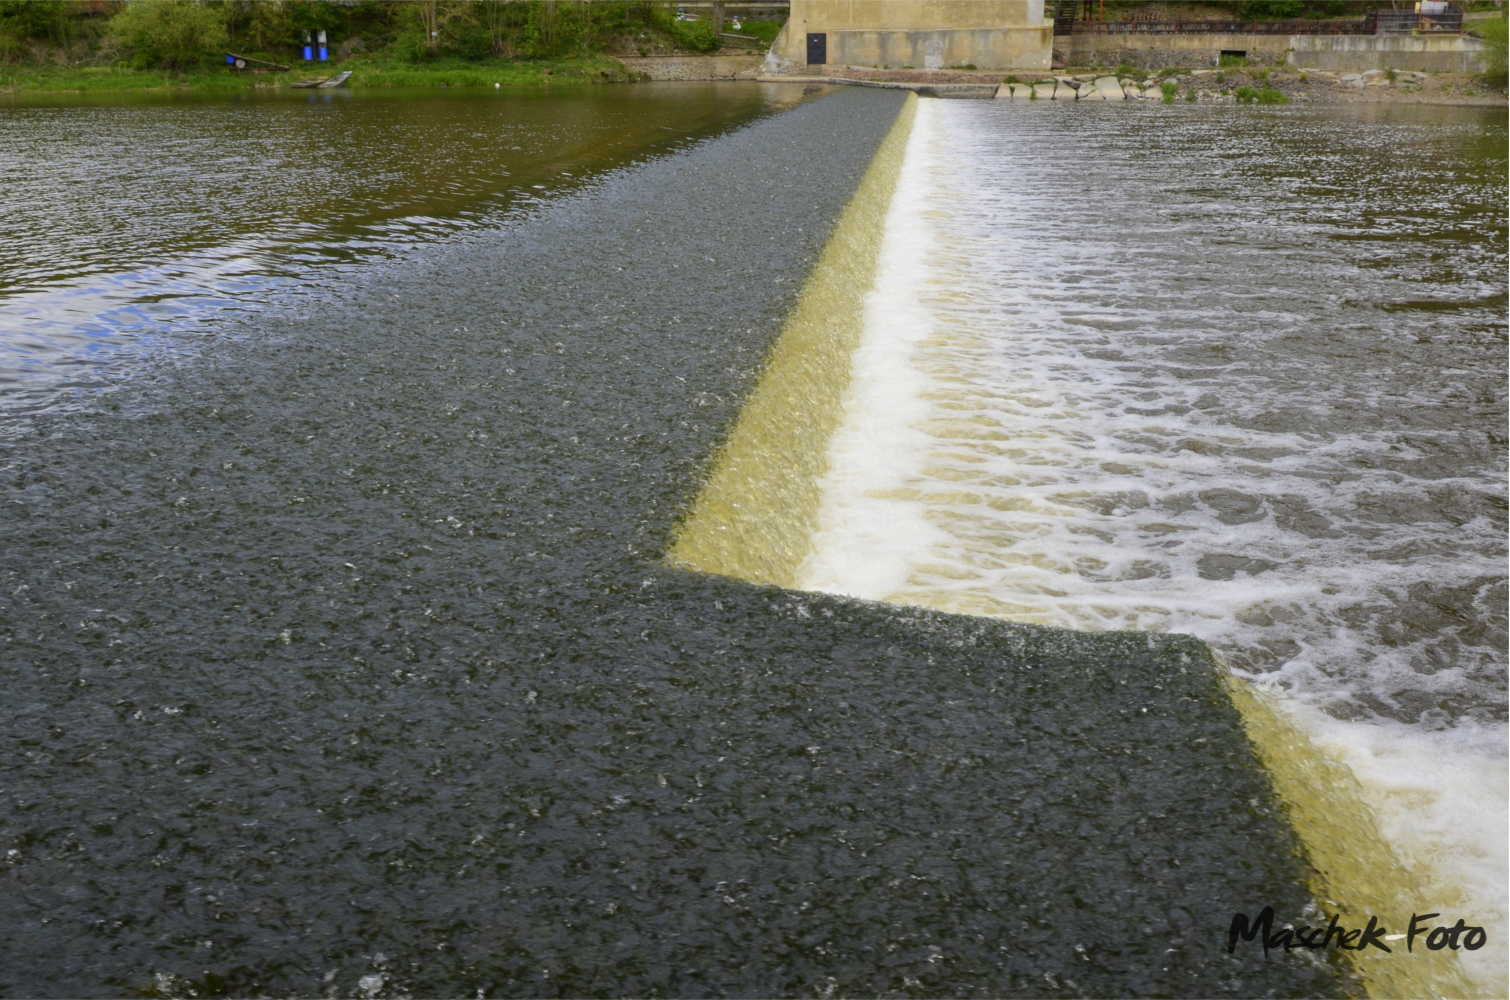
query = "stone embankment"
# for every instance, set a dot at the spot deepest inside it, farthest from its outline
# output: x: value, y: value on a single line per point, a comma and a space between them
x: 743, y: 66
x: 1228, y: 85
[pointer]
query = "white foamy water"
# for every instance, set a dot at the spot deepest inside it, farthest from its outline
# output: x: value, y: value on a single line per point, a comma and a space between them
x: 1230, y: 373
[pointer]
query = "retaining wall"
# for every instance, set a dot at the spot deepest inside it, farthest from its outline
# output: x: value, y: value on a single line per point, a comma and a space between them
x: 1342, y: 53
x: 720, y: 67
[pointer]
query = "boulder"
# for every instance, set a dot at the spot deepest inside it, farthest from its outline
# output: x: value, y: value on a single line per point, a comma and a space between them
x: 1110, y: 89
x: 1092, y: 94
x: 1044, y: 91
x: 1133, y: 92
x: 1004, y: 92
x: 1064, y: 92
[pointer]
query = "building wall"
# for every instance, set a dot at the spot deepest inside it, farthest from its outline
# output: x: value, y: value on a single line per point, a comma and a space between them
x: 989, y: 34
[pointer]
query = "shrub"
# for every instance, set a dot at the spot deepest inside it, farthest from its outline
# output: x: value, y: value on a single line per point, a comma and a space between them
x: 698, y: 36
x: 47, y: 20
x: 1259, y: 10
x: 1265, y: 95
x: 173, y: 34
x: 1495, y: 32
x: 1169, y: 87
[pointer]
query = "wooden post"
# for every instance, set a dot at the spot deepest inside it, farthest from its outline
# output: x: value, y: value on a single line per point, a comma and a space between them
x: 718, y: 15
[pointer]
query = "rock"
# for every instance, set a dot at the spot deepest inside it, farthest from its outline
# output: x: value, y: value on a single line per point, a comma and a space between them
x: 1092, y: 94
x: 1004, y: 92
x: 1110, y: 89
x: 1358, y: 83
x: 1350, y: 77
x: 1132, y: 92
x: 1044, y: 91
x: 1064, y: 92
x: 1202, y: 72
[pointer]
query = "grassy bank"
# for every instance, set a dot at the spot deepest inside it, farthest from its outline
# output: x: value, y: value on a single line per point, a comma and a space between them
x: 441, y: 72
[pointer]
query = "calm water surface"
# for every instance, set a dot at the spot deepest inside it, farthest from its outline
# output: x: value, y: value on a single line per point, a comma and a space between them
x: 131, y: 225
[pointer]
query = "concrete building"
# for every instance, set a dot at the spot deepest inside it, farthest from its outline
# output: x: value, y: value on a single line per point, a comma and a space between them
x: 918, y: 34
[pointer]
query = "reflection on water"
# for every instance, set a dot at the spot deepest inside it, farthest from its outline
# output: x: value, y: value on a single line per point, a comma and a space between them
x: 1245, y: 383
x: 130, y: 223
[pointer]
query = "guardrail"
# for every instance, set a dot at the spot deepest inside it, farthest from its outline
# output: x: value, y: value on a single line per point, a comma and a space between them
x: 1434, y: 18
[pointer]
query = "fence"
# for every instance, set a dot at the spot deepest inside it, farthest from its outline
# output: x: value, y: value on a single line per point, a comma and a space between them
x: 1435, y: 18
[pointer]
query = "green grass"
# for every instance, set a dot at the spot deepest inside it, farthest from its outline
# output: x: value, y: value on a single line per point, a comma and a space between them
x: 1264, y: 95
x: 766, y: 31
x: 366, y: 72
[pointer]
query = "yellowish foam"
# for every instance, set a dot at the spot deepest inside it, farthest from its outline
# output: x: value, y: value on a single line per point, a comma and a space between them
x: 1355, y: 872
x: 754, y: 519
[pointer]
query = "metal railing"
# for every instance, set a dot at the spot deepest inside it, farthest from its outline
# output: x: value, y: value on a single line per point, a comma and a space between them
x: 1297, y: 27
x: 1434, y: 19
x: 1446, y: 19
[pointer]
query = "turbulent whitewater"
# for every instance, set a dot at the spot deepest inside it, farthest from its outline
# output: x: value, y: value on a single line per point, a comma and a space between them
x: 1245, y: 382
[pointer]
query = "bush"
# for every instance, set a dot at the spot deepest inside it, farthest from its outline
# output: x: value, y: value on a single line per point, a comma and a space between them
x: 172, y: 34
x: 698, y: 36
x: 1495, y: 32
x: 1265, y: 95
x: 1169, y: 87
x: 44, y: 20
x: 1261, y: 10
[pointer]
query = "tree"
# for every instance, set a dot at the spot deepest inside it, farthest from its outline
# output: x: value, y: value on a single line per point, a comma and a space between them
x: 173, y: 34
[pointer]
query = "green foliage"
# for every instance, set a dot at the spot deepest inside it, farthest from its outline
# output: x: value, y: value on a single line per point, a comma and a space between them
x: 1169, y: 87
x: 1233, y: 61
x: 1495, y: 32
x: 1262, y: 95
x: 698, y: 36
x: 172, y: 34
x: 44, y: 20
x: 1263, y: 10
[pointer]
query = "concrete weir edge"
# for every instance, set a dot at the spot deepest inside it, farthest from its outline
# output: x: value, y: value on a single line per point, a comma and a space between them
x: 755, y: 516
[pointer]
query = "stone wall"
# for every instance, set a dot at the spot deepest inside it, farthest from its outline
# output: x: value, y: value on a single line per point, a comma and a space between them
x: 1341, y: 53
x: 1360, y: 53
x: 730, y: 67
x: 1158, y: 51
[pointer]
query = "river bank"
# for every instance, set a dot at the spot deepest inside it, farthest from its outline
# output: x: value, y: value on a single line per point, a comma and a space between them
x: 364, y: 74
x: 1208, y: 86
x: 1201, y: 86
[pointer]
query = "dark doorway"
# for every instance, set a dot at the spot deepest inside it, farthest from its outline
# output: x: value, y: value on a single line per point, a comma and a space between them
x: 817, y: 49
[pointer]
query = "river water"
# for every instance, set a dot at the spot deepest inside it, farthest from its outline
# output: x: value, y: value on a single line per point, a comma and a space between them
x: 1247, y: 382
x: 134, y: 225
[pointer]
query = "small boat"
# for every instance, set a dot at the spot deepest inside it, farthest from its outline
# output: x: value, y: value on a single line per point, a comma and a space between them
x: 334, y: 81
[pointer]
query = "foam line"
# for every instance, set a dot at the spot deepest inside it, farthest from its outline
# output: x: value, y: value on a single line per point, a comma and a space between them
x: 754, y: 519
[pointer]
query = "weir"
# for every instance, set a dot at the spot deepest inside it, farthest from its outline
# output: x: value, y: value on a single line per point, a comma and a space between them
x: 345, y: 660
x: 755, y: 519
